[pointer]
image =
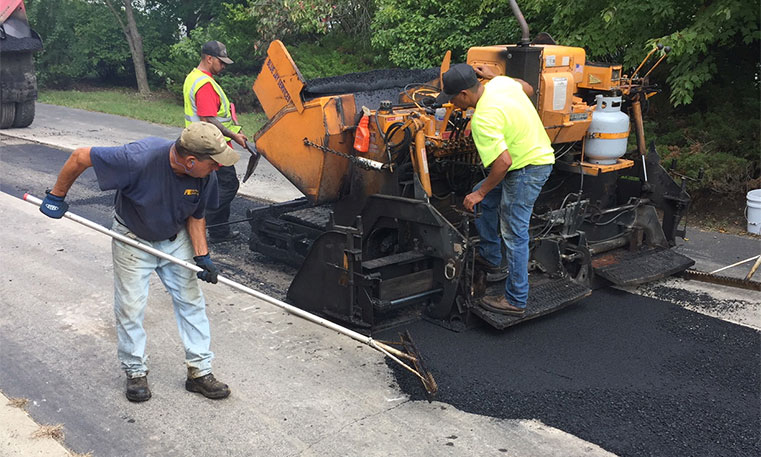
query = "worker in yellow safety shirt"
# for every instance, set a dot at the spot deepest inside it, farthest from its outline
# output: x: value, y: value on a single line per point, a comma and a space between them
x: 511, y: 140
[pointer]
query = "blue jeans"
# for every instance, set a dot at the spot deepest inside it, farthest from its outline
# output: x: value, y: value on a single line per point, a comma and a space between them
x: 506, y: 210
x: 132, y: 273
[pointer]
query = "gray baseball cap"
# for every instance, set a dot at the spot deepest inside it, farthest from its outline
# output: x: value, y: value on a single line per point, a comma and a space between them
x: 205, y: 138
x: 216, y: 49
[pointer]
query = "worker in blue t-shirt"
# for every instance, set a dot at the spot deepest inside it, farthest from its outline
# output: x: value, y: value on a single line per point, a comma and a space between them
x: 162, y: 189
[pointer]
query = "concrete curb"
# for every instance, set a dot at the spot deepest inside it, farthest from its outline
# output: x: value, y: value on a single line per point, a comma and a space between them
x: 17, y: 430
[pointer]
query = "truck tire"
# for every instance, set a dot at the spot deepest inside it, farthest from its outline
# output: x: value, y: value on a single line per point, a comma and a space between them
x: 24, y: 114
x: 7, y: 114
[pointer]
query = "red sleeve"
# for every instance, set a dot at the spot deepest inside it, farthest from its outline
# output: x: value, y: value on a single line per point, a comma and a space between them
x: 207, y: 101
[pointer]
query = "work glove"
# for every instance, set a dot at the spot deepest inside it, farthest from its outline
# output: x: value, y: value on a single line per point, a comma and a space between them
x: 53, y: 205
x: 210, y: 272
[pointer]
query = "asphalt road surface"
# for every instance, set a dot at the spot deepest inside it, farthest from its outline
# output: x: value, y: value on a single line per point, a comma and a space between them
x: 635, y: 375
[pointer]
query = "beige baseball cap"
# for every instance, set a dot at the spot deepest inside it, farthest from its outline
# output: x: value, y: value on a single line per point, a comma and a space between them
x: 205, y: 138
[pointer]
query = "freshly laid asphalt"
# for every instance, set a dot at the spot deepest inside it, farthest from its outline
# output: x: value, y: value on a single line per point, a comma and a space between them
x: 625, y: 373
x: 638, y: 376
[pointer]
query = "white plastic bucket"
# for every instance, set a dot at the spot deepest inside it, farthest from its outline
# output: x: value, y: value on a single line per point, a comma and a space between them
x: 754, y: 211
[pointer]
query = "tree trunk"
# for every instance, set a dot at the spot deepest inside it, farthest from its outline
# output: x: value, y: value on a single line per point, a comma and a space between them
x: 135, y: 42
x: 136, y: 48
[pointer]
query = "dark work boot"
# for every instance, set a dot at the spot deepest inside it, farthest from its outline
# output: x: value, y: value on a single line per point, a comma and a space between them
x: 208, y: 386
x: 494, y: 273
x: 137, y: 389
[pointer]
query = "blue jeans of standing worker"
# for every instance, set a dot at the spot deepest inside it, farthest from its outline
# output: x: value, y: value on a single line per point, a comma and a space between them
x: 227, y: 182
x: 132, y: 274
x: 506, y: 210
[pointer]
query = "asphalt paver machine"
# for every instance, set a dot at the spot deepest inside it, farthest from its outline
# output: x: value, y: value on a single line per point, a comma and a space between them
x: 381, y: 235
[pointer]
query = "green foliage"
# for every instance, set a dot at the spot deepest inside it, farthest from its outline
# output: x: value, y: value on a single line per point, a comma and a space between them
x: 81, y: 42
x: 352, y: 17
x: 183, y: 56
x: 235, y: 29
x: 417, y: 33
x: 723, y: 173
x: 724, y: 139
x: 330, y: 56
x: 239, y: 90
x: 282, y: 19
x: 186, y: 54
x: 187, y: 13
x: 716, y: 28
x: 296, y: 20
x: 84, y: 43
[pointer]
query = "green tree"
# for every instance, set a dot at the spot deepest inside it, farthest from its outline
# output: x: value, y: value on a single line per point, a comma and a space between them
x: 190, y: 14
x: 417, y: 33
x: 81, y: 42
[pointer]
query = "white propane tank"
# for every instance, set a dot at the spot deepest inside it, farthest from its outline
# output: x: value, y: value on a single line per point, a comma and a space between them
x: 608, y: 132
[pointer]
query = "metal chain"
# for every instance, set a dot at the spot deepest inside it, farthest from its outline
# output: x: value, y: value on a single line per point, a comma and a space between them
x: 360, y: 162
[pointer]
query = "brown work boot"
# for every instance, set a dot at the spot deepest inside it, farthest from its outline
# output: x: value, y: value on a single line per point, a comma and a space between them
x: 208, y: 386
x: 137, y: 389
x: 499, y: 304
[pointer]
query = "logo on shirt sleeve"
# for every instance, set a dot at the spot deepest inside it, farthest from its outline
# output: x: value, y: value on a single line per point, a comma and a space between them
x: 189, y: 192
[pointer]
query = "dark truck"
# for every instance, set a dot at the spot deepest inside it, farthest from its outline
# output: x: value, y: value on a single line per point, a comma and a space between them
x: 18, y: 82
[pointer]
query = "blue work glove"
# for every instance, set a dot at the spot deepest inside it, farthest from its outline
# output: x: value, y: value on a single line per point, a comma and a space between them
x: 53, y: 205
x: 210, y: 272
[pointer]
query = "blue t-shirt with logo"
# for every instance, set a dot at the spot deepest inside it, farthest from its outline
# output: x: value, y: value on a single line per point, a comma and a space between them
x: 151, y: 199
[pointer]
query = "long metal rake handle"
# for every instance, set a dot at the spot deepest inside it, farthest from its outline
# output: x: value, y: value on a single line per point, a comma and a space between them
x: 377, y: 345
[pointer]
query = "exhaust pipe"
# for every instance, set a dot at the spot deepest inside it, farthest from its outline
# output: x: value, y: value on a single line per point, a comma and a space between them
x: 525, y: 37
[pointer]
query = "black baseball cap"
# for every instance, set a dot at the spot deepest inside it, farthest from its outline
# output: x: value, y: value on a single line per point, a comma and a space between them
x: 458, y: 78
x: 216, y: 49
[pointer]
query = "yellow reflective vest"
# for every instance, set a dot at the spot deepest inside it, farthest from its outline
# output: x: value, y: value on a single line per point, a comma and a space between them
x: 194, y: 81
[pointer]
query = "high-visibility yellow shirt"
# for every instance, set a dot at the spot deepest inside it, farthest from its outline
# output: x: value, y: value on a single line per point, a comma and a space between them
x: 505, y: 119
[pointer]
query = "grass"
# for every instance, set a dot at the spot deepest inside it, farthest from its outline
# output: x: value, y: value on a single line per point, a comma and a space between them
x: 50, y: 431
x: 20, y: 403
x: 159, y: 107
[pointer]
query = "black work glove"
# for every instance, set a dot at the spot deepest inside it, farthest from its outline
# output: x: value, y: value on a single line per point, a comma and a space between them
x: 210, y: 272
x: 53, y: 205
